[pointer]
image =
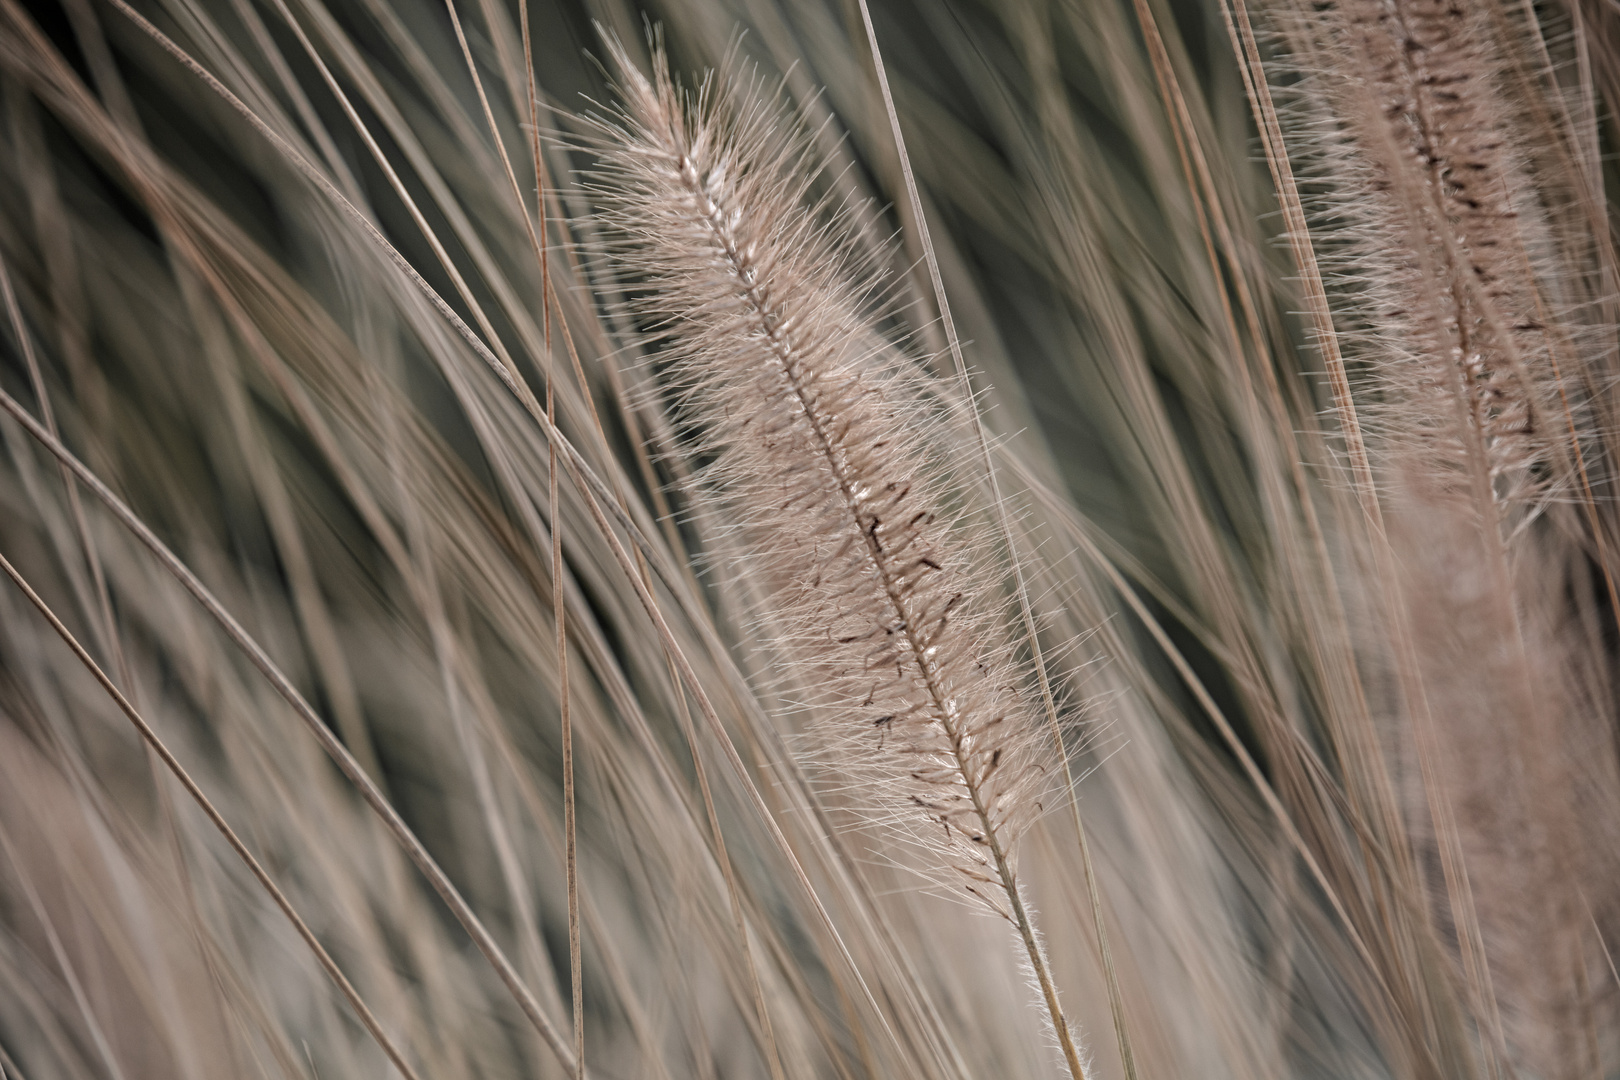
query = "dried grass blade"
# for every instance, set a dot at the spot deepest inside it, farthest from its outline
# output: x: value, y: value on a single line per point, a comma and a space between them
x: 1048, y: 990
x: 345, y: 761
x: 151, y: 739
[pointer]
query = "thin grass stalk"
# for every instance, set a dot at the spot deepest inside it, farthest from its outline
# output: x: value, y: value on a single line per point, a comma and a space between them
x: 591, y: 487
x: 312, y: 722
x: 1429, y: 163
x: 1346, y: 413
x: 64, y: 963
x: 576, y: 969
x: 717, y: 839
x: 108, y: 628
x: 1273, y: 921
x: 341, y: 755
x: 1239, y: 631
x: 998, y: 502
x: 1368, y: 788
x: 151, y: 739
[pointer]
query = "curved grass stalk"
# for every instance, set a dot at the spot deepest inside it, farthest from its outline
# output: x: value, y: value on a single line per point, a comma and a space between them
x: 157, y: 746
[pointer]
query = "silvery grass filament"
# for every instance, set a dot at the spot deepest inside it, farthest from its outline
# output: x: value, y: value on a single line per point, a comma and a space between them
x: 827, y: 456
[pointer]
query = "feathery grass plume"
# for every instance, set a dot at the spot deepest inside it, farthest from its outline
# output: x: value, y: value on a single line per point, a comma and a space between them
x: 1454, y: 224
x: 830, y: 462
x: 1461, y: 294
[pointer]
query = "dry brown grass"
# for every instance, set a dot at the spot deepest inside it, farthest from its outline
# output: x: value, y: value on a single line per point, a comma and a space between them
x: 464, y: 657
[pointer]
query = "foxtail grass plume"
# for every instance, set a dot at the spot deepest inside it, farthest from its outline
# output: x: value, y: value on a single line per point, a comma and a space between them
x: 827, y: 453
x: 1456, y: 274
x: 1451, y: 221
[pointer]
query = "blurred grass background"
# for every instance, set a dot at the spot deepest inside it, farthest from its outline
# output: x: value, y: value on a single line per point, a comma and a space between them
x: 226, y: 344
